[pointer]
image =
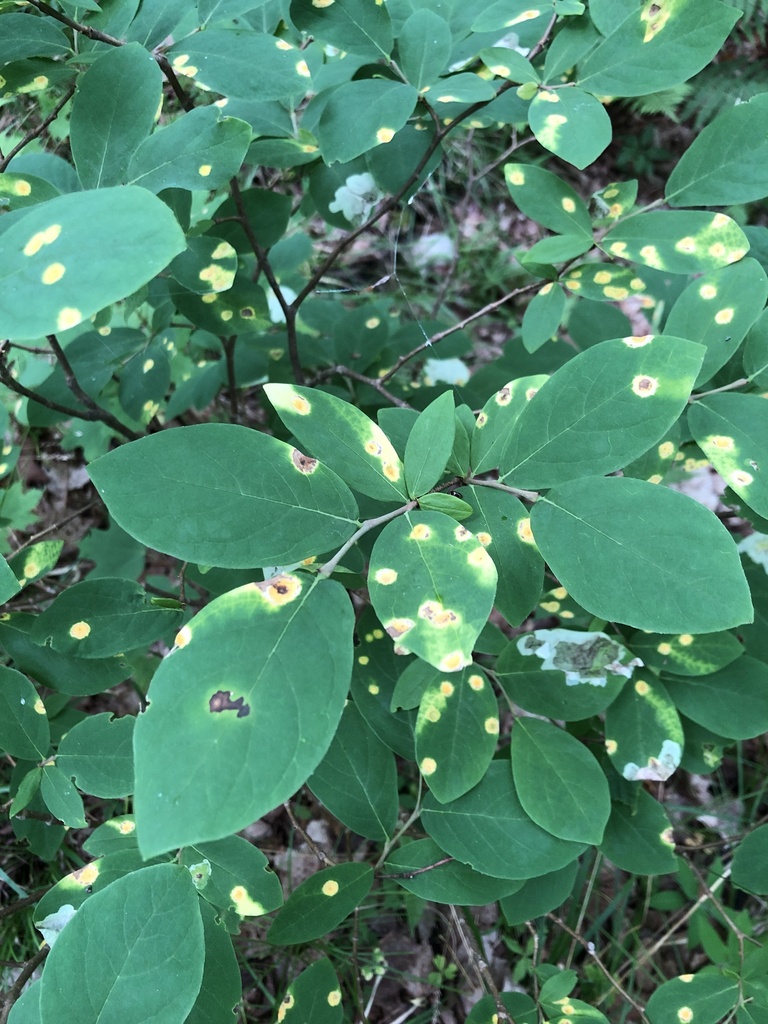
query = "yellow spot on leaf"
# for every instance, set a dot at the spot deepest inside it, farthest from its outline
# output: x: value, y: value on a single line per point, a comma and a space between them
x: 650, y: 254
x: 666, y: 450
x: 222, y: 251
x: 384, y: 135
x: 480, y: 558
x: 573, y: 285
x: 31, y: 569
x: 334, y: 998
x: 642, y: 687
x: 685, y: 1015
x: 447, y: 689
x: 516, y: 178
x: 707, y: 291
x: 637, y: 284
x: 551, y: 606
x: 717, y: 250
x: 476, y: 683
x: 547, y: 287
x: 524, y: 531
x: 485, y: 539
x: 428, y: 766
x: 244, y: 905
x: 105, y: 331
x: 79, y: 631
x: 617, y: 294
x: 724, y: 316
x: 645, y: 386
x: 529, y: 393
x: 280, y: 589
x: 372, y: 322
x: 399, y: 627
x: 302, y: 69
x: 503, y: 396
x: 39, y: 707
x: 41, y: 238
x: 482, y: 419
x: 391, y: 472
x: 300, y: 405
x: 226, y: 314
x: 87, y: 875
x: 615, y: 210
x: 209, y: 297
x: 549, y: 97
x: 685, y: 639
x: 721, y: 442
x: 204, y: 170
x: 491, y: 726
x: 420, y: 532
x: 565, y: 614
x: 453, y: 662
x: 618, y: 248
x: 287, y: 1003
x: 720, y: 220
x: 373, y: 688
x: 183, y: 636
x: 385, y: 577
x: 378, y: 634
x: 68, y: 317
x: 611, y: 746
x: 610, y: 193
x: 126, y: 827
x: 686, y: 978
x: 330, y: 888
x: 363, y: 659
x: 432, y: 714
x: 655, y: 478
x: 22, y: 188
x: 741, y: 478
x: 218, y: 277
x: 603, y: 277
x: 568, y: 204
x: 461, y: 533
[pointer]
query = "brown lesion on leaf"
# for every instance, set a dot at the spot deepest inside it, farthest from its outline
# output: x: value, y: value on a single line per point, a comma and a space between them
x: 280, y: 589
x: 399, y: 627
x: 304, y: 463
x: 504, y: 396
x: 438, y: 616
x: 222, y: 701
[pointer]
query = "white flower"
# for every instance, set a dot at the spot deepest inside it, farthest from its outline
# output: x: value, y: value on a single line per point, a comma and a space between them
x: 356, y: 197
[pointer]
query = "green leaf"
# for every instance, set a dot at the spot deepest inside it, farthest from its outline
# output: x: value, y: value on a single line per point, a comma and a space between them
x: 677, y: 241
x: 47, y: 280
x: 208, y: 264
x: 521, y: 1008
x: 450, y: 882
x: 630, y: 390
x: 267, y: 213
x: 488, y: 829
x: 18, y: 191
x: 113, y: 111
x: 159, y: 939
x: 539, y: 895
x: 357, y: 779
x: 556, y: 249
x: 9, y: 584
x: 570, y: 123
x: 750, y: 862
x: 243, y: 64
x: 494, y: 423
x: 448, y: 504
x: 685, y: 654
x: 429, y: 445
x: 362, y: 114
x: 424, y: 47
x: 238, y: 310
x: 103, y: 617
x: 500, y: 522
x: 507, y: 14
x: 221, y: 987
x: 732, y: 431
x: 547, y: 199
x: 233, y: 875
x: 156, y: 20
x: 727, y: 163
x: 36, y: 561
x: 456, y: 732
x: 314, y: 997
x: 644, y: 737
x: 432, y: 586
x: 755, y: 351
x: 609, y: 14
x: 98, y: 754
x: 542, y: 316
x: 633, y: 552
x: 321, y: 903
x: 464, y: 88
x: 559, y: 782
x: 24, y: 731
x: 25, y: 794
x: 703, y: 997
x: 717, y: 310
x: 506, y: 63
x: 356, y: 26
x: 264, y: 723
x: 26, y: 1009
x: 61, y: 798
x: 114, y: 836
x: 580, y: 675
x: 658, y: 46
x: 640, y: 841
x: 201, y: 150
x: 343, y: 438
x: 231, y: 497
x: 732, y: 702
x: 604, y: 282
x: 31, y: 37
x: 374, y: 678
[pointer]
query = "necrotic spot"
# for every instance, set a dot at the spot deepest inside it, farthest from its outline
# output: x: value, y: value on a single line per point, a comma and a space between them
x: 222, y: 701
x: 303, y: 463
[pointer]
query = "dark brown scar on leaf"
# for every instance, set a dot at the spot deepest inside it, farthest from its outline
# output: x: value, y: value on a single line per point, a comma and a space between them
x: 222, y: 701
x: 303, y: 463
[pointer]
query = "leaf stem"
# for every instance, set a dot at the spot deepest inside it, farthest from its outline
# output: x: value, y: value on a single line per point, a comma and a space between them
x: 34, y: 133
x: 374, y: 382
x: 518, y: 492
x: 742, y: 382
x: 369, y: 524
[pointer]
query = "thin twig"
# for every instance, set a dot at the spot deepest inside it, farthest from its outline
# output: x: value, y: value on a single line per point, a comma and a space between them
x: 420, y: 871
x: 742, y: 382
x: 55, y: 526
x: 484, y: 972
x: 320, y: 854
x: 25, y: 974
x: 34, y: 133
x: 497, y: 485
x: 228, y: 344
x: 22, y: 904
x: 373, y: 382
x: 78, y: 26
x: 369, y: 524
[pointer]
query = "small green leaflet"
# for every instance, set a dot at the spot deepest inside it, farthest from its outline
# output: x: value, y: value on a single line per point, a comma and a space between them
x: 9, y: 584
x: 98, y: 754
x: 677, y: 241
x: 424, y: 46
x: 432, y: 585
x: 233, y: 875
x: 604, y: 282
x: 634, y: 552
x: 429, y: 445
x: 343, y: 437
x: 507, y: 14
x: 31, y: 37
x: 61, y: 798
x: 542, y: 316
x: 47, y: 257
x: 313, y: 998
x: 24, y: 731
x: 640, y: 840
x: 321, y: 903
x: 263, y: 723
x: 231, y: 497
x: 644, y: 737
x: 208, y: 264
x: 732, y: 431
x: 547, y: 199
x: 570, y: 123
x: 629, y: 390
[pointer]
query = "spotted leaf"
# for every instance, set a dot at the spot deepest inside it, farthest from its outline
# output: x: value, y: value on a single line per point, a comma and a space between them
x: 456, y: 732
x: 24, y: 730
x: 603, y: 282
x: 488, y: 829
x: 240, y: 308
x: 231, y: 497
x: 432, y: 586
x: 47, y: 256
x: 659, y: 45
x: 314, y: 996
x: 361, y: 115
x: 677, y: 241
x: 542, y: 316
x: 102, y: 617
x: 600, y: 410
x: 17, y: 191
x: 356, y: 26
x: 644, y: 737
x: 342, y: 437
x: 685, y: 654
x: 234, y: 876
x: 639, y: 839
x: 717, y: 309
x: 321, y: 903
x: 732, y: 431
x: 449, y: 882
x: 558, y: 781
x: 703, y: 998
x: 630, y: 551
x: 200, y: 150
x: 495, y: 421
x: 242, y: 63
x: 731, y: 702
x: 549, y: 200
x: 208, y: 264
x: 261, y: 722
x: 570, y: 123
x: 507, y: 14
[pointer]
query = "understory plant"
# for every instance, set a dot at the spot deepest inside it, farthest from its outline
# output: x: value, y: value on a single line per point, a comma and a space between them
x: 456, y: 602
